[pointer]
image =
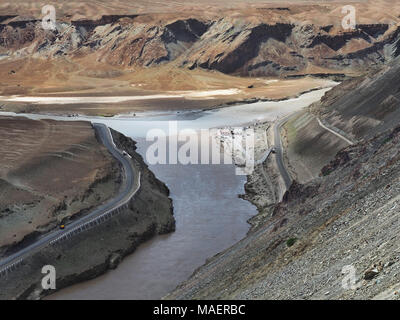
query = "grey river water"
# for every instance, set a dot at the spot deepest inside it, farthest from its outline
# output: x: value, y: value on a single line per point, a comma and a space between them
x: 210, y: 217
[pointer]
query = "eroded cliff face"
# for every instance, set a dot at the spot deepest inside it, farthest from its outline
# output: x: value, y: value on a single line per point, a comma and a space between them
x: 245, y: 46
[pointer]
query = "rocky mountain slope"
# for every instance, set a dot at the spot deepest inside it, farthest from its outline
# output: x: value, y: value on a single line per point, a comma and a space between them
x: 345, y: 219
x: 358, y: 109
x: 366, y: 106
x: 271, y: 41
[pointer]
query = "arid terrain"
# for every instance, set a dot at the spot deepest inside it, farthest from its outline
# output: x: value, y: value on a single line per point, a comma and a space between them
x: 125, y: 57
x: 150, y: 48
x: 49, y: 173
x: 101, y: 248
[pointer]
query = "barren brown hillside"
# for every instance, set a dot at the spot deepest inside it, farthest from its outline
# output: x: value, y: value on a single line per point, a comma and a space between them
x: 144, y: 48
x: 49, y: 171
x: 200, y: 33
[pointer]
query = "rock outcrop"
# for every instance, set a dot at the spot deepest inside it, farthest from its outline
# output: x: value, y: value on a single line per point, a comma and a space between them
x: 245, y: 46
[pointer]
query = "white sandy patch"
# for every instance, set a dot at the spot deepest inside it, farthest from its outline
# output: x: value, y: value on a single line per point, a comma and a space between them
x: 207, y: 93
x: 75, y: 100
x: 117, y: 99
x: 271, y: 81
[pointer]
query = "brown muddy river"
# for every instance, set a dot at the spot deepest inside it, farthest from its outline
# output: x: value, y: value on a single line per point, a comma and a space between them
x: 209, y: 218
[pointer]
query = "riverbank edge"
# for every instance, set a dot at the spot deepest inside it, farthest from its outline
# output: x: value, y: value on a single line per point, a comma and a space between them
x: 216, y: 107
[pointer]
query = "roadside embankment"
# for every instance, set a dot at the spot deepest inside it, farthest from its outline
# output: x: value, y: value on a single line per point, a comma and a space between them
x: 308, y: 146
x: 263, y: 187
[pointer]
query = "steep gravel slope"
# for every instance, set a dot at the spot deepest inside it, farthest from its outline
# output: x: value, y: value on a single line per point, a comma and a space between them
x: 364, y: 106
x: 349, y: 216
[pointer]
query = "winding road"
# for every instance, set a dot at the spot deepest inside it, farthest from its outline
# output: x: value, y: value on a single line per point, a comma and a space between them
x: 279, y: 149
x: 334, y: 132
x: 131, y: 184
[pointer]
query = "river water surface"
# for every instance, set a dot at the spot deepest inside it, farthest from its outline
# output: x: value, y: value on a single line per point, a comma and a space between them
x: 210, y: 217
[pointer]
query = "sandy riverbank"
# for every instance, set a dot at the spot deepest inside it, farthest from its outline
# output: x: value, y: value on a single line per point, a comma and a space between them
x: 138, y: 100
